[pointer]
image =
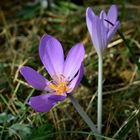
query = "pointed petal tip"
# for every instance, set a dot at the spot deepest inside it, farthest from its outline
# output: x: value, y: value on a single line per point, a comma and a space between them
x: 89, y: 13
x: 102, y: 14
x: 81, y: 46
x: 46, y: 37
x: 88, y: 9
x: 113, y: 6
x: 21, y: 69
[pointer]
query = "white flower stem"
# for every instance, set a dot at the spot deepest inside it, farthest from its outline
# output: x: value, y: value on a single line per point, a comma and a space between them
x: 83, y: 114
x: 99, y: 106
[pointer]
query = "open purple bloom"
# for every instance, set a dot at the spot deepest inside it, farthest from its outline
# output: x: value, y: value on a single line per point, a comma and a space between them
x: 102, y: 28
x: 65, y: 74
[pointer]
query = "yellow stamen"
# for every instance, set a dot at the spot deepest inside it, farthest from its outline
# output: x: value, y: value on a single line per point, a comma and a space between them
x: 59, y: 84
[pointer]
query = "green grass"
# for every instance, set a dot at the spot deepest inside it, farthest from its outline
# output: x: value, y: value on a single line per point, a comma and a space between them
x: 20, y: 30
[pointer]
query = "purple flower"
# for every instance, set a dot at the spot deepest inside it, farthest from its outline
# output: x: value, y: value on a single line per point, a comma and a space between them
x: 102, y: 28
x: 66, y: 75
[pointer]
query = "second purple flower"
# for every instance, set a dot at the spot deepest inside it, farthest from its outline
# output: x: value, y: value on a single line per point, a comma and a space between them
x: 102, y: 28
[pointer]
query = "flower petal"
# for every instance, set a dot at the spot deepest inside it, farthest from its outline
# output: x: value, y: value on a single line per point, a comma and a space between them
x: 51, y: 54
x: 112, y: 31
x: 99, y: 35
x: 41, y: 103
x: 44, y: 102
x: 73, y: 61
x: 112, y: 15
x: 89, y: 16
x: 74, y: 83
x: 103, y: 16
x: 34, y: 78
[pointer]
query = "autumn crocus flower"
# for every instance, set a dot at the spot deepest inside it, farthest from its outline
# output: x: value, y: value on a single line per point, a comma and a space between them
x: 102, y: 28
x: 65, y: 74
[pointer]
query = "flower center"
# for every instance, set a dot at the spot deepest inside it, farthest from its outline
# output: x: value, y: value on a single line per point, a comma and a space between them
x: 59, y: 84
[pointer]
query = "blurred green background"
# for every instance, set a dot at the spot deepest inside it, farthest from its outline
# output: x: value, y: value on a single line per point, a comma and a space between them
x: 22, y: 23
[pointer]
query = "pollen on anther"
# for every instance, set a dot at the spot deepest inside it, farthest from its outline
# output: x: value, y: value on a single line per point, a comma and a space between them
x: 59, y: 84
